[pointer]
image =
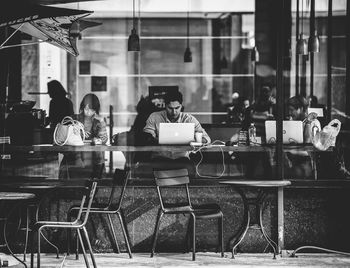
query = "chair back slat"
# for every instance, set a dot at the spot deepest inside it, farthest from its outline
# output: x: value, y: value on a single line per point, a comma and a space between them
x: 163, y: 174
x: 172, y: 181
x: 120, y: 178
x: 168, y: 178
x: 88, y: 201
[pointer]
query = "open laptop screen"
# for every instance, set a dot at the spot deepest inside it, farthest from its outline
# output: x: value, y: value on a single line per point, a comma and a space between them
x: 176, y: 133
x: 292, y: 132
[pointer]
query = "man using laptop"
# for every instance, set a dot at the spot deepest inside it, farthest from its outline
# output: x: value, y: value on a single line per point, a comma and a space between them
x: 172, y: 114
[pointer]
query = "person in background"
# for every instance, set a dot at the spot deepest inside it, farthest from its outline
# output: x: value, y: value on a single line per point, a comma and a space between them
x: 60, y: 106
x: 172, y: 114
x: 300, y: 164
x: 297, y: 108
x: 266, y: 102
x: 235, y: 110
x: 313, y: 103
x: 246, y: 103
x: 260, y: 111
x: 87, y: 164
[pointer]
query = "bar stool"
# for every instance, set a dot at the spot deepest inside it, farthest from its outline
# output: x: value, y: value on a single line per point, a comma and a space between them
x: 14, y: 197
x: 41, y: 190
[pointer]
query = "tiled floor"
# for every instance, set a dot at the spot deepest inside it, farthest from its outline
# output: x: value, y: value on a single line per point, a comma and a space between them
x: 166, y: 260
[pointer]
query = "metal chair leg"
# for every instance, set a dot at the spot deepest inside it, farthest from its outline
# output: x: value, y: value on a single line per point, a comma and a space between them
x: 38, y: 253
x: 90, y: 248
x: 221, y: 234
x: 159, y: 216
x: 83, y: 249
x: 31, y: 240
x: 77, y: 246
x: 126, y: 237
x: 125, y: 226
x: 27, y: 234
x: 69, y: 233
x: 52, y: 245
x: 193, y: 237
x: 188, y: 235
x: 113, y: 232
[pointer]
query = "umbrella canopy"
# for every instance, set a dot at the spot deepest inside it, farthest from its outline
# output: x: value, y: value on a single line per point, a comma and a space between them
x: 49, y: 24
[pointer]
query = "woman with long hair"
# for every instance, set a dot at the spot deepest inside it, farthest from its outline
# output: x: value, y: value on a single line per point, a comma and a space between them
x: 87, y: 164
x: 60, y: 106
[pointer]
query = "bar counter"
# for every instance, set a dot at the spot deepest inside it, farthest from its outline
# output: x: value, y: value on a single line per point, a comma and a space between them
x: 154, y: 148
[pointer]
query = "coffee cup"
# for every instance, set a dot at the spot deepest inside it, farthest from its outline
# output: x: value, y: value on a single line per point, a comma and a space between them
x: 199, y: 136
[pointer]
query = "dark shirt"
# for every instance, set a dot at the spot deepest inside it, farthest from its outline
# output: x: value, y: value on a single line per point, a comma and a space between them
x: 59, y: 108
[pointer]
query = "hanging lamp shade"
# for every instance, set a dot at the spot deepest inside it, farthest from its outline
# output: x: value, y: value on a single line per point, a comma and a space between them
x: 134, y: 39
x: 314, y: 43
x: 302, y: 48
x: 188, y: 55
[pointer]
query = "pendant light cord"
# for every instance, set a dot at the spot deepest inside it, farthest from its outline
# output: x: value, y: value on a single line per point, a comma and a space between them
x: 188, y: 28
x: 133, y: 13
x: 188, y: 23
x: 302, y: 16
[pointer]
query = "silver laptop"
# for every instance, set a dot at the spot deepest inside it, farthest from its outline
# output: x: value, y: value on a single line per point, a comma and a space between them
x: 292, y: 132
x: 318, y: 111
x: 176, y: 133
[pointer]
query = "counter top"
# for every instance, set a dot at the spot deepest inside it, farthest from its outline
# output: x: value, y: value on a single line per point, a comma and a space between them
x: 155, y: 148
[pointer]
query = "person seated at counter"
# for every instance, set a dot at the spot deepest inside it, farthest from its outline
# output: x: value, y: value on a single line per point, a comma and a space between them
x: 172, y: 114
x: 299, y: 163
x: 87, y: 164
x: 60, y: 106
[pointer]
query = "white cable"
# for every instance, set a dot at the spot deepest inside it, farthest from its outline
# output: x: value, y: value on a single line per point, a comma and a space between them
x: 213, y: 144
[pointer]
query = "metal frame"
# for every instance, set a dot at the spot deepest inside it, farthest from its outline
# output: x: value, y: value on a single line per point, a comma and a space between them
x: 109, y: 209
x: 78, y: 224
x: 169, y: 178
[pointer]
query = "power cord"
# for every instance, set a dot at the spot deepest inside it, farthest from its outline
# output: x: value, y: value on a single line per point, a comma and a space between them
x: 216, y: 143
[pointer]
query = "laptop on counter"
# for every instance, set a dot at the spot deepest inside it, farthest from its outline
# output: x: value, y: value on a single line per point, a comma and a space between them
x: 292, y: 132
x: 318, y: 111
x: 176, y: 133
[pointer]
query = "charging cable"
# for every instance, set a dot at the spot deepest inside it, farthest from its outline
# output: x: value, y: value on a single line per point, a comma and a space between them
x: 216, y: 143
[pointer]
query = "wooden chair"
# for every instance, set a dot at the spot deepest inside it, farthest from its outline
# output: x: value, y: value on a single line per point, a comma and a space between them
x: 78, y: 224
x: 180, y: 178
x: 120, y: 178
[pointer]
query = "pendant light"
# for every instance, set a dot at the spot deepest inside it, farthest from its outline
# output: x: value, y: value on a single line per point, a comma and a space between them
x: 134, y: 39
x: 255, y: 55
x: 302, y: 48
x: 314, y: 41
x: 188, y: 53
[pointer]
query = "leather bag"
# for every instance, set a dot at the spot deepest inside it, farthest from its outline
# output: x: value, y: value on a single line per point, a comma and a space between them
x: 69, y: 132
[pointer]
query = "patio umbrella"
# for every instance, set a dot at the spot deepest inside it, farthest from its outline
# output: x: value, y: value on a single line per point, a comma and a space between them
x: 49, y: 24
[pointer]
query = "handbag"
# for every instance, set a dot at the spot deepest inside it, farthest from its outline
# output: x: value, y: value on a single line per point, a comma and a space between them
x: 69, y: 132
x: 325, y: 138
x: 312, y: 125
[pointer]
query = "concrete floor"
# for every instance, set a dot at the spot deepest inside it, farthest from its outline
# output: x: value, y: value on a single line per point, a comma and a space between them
x: 166, y: 260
